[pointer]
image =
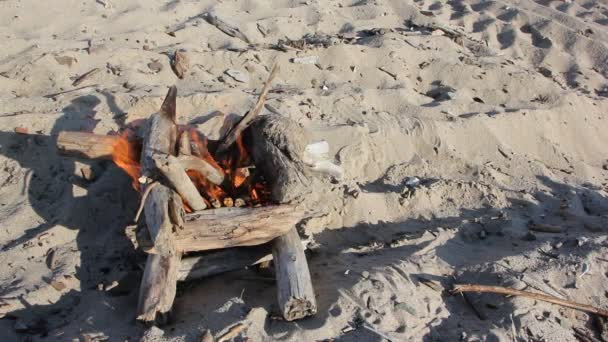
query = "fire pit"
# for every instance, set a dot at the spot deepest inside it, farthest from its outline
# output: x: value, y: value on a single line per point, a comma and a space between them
x: 200, y: 195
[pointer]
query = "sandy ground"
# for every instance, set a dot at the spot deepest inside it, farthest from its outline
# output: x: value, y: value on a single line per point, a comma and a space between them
x: 504, y: 123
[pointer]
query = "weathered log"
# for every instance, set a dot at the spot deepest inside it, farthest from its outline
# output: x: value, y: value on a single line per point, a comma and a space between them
x: 277, y: 147
x: 86, y: 145
x: 158, y: 284
x: 164, y: 211
x: 246, y: 120
x: 173, y: 171
x: 229, y: 227
x: 224, y: 260
x: 201, y: 166
x: 160, y: 136
x: 296, y: 295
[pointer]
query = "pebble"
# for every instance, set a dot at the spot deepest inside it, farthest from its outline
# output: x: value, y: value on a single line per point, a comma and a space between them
x: 365, y: 274
x: 58, y: 285
x: 155, y: 66
x: 529, y: 237
x: 412, y: 182
x: 237, y: 75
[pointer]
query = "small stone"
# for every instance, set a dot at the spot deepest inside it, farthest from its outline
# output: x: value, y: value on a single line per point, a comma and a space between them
x: 529, y: 237
x: 152, y: 333
x: 51, y: 259
x: 21, y: 130
x: 365, y: 274
x: 237, y: 75
x: 155, y: 66
x: 406, y: 307
x: 66, y: 60
x: 146, y: 47
x: 58, y: 285
x: 180, y: 64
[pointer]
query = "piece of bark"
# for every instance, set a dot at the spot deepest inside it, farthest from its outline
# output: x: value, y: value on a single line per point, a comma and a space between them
x: 296, y: 295
x: 229, y: 227
x: 180, y: 64
x: 184, y: 148
x: 174, y: 172
x: 86, y: 145
x: 224, y: 260
x: 224, y: 27
x: 277, y: 147
x: 85, y: 76
x: 201, y: 166
x: 246, y: 120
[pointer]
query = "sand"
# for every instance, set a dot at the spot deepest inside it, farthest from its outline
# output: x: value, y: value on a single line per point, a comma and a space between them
x: 456, y: 124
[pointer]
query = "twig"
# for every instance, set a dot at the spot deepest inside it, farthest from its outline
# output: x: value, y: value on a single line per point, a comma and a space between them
x: 536, y: 296
x: 376, y: 331
x: 237, y: 129
x: 584, y: 335
x: 224, y: 27
x: 85, y: 76
x: 143, y: 200
x: 233, y: 332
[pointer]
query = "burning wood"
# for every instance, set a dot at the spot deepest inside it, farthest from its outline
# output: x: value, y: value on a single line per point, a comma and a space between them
x: 179, y: 172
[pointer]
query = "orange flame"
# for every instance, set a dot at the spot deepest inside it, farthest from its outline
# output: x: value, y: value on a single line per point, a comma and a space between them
x: 239, y: 183
x: 126, y: 156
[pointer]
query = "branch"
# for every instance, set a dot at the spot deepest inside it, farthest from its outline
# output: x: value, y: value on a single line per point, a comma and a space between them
x: 246, y: 120
x: 538, y: 296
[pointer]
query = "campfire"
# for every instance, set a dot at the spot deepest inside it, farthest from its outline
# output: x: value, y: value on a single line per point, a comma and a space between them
x: 200, y: 195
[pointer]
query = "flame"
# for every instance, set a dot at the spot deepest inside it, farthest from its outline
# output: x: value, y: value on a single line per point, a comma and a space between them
x: 239, y: 182
x: 125, y: 155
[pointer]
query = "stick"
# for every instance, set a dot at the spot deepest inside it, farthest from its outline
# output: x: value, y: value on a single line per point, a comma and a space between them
x: 173, y: 171
x: 229, y: 227
x: 85, y: 76
x: 224, y: 260
x: 245, y: 121
x: 86, y: 145
x: 537, y: 296
x: 545, y: 228
x: 201, y: 166
x: 296, y: 296
x: 224, y: 27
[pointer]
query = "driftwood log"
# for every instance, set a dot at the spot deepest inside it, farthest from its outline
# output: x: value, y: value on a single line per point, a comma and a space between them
x: 86, y: 145
x: 164, y: 212
x: 295, y: 292
x: 227, y: 227
x: 277, y: 146
x: 224, y: 260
